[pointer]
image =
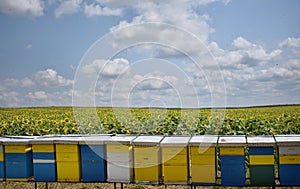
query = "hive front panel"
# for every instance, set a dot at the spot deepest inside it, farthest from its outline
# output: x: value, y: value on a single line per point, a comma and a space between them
x: 289, y: 159
x: 175, y: 161
x: 203, y: 160
x: 147, y: 162
x: 261, y: 157
x: 18, y: 159
x: 93, y: 158
x: 68, y: 159
x: 119, y: 156
x: 232, y: 159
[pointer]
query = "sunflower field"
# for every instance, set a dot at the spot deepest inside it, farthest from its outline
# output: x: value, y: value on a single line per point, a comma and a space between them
x: 155, y: 121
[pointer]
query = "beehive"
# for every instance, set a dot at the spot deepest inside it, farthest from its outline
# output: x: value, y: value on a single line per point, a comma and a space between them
x: 261, y: 157
x: 93, y: 158
x: 289, y: 159
x: 119, y: 156
x: 147, y: 163
x: 203, y: 160
x: 175, y: 161
x: 18, y: 159
x: 67, y: 159
x: 2, y: 162
x: 44, y: 164
x: 232, y: 160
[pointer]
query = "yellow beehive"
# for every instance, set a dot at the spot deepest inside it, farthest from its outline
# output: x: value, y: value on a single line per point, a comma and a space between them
x: 147, y: 164
x: 67, y: 159
x: 203, y: 160
x: 174, y: 152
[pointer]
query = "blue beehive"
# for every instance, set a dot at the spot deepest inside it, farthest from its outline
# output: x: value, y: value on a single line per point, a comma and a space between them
x: 289, y: 159
x: 232, y: 158
x: 44, y: 167
x: 18, y: 159
x: 2, y: 166
x: 93, y: 155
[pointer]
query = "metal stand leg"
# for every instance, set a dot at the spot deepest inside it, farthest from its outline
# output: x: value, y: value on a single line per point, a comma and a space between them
x: 121, y: 185
x: 35, y: 185
x: 46, y: 185
x: 115, y: 185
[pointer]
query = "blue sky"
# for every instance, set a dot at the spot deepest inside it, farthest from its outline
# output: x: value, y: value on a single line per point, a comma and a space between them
x: 46, y: 48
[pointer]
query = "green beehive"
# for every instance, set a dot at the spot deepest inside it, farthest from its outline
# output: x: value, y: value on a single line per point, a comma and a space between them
x: 261, y: 155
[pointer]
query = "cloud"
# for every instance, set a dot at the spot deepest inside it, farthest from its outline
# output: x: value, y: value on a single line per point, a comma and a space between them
x: 290, y: 42
x: 132, y: 3
x: 50, y: 78
x: 29, y: 46
x: 38, y: 95
x: 43, y: 88
x: 29, y: 8
x: 255, y: 75
x: 241, y: 43
x: 161, y: 12
x: 45, y: 78
x: 68, y: 7
x: 155, y: 81
x: 246, y: 52
x: 140, y: 90
x: 206, y: 2
x: 9, y: 98
x: 150, y: 9
x: 15, y: 83
x: 96, y: 10
x: 106, y: 68
x: 255, y: 51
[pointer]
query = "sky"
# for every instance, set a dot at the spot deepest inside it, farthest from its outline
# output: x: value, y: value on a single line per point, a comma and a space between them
x: 179, y: 53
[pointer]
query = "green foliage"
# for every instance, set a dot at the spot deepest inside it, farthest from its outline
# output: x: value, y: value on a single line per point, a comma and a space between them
x: 238, y: 121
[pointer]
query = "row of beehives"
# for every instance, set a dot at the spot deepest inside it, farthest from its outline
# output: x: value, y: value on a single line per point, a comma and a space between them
x: 150, y: 159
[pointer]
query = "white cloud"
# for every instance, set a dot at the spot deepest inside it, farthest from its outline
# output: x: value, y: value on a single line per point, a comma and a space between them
x: 206, y: 2
x: 68, y: 7
x: 132, y: 3
x: 246, y: 52
x: 15, y: 83
x: 96, y: 10
x: 155, y: 81
x: 50, y: 78
x: 38, y: 95
x: 29, y: 8
x: 107, y: 68
x: 161, y: 12
x: 290, y: 42
x: 9, y: 98
x: 29, y: 46
x: 241, y: 43
x: 254, y: 51
x: 254, y: 75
